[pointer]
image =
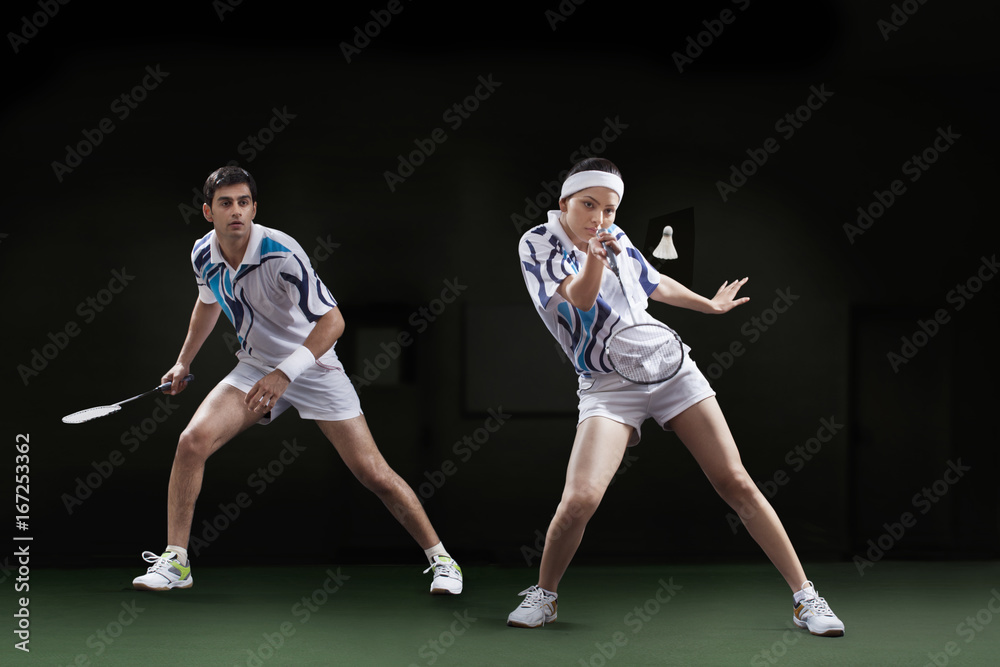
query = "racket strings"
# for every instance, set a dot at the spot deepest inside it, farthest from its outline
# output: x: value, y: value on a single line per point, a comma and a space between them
x: 646, y: 353
x: 90, y: 413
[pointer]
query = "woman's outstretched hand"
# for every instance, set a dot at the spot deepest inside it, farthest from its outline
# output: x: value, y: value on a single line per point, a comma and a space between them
x: 725, y: 299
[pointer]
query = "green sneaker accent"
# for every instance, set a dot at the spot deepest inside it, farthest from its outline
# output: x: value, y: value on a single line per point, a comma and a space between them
x: 185, y: 571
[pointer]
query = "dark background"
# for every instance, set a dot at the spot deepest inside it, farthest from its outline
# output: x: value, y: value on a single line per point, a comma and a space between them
x: 127, y: 207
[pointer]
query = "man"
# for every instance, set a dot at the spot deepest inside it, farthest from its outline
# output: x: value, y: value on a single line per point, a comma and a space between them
x: 287, y: 323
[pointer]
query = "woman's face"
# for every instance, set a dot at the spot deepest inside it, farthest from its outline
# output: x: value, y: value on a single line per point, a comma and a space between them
x: 585, y: 211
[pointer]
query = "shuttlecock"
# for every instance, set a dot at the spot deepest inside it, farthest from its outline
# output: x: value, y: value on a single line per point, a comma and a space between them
x: 666, y: 248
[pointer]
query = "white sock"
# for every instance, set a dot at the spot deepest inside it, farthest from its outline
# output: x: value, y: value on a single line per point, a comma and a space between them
x: 807, y: 591
x: 182, y: 554
x: 436, y: 550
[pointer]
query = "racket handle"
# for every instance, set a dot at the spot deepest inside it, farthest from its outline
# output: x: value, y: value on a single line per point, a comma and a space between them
x: 612, y: 260
x: 166, y: 385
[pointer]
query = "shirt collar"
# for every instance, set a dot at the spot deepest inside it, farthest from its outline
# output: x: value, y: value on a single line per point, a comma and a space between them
x: 252, y: 255
x: 557, y: 230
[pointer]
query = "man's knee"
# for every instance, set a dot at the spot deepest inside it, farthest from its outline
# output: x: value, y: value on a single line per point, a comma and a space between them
x: 194, y: 445
x: 379, y: 479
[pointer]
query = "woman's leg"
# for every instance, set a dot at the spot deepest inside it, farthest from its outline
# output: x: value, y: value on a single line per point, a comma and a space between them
x: 703, y: 430
x: 597, y: 452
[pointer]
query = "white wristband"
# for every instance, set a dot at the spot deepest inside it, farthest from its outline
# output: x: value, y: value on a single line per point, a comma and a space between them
x: 297, y: 362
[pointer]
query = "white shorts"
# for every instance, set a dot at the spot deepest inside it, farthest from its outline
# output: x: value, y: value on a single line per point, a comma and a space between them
x: 320, y: 392
x: 609, y: 395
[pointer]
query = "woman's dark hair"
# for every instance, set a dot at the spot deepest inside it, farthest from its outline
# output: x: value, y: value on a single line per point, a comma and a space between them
x: 228, y: 175
x: 595, y: 164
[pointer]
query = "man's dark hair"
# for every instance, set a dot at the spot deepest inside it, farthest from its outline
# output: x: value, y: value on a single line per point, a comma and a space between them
x: 224, y: 176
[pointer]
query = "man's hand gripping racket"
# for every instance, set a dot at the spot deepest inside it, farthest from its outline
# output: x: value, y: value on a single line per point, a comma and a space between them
x: 105, y: 410
x: 645, y: 353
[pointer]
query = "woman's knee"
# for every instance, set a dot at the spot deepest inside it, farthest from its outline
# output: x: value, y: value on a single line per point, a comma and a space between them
x: 737, y: 488
x: 579, y: 503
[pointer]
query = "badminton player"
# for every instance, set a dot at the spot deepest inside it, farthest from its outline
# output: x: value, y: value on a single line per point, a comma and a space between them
x: 287, y: 323
x: 579, y: 299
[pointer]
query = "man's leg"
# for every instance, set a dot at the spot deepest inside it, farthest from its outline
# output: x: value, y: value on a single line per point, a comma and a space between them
x: 219, y: 418
x: 353, y: 441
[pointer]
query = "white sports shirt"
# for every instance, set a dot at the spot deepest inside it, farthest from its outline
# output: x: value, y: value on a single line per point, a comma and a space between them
x: 272, y: 298
x: 548, y: 257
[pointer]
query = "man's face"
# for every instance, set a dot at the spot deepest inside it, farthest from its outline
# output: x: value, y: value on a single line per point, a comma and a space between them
x: 231, y: 212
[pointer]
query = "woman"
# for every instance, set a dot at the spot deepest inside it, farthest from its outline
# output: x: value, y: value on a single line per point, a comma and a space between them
x: 582, y: 304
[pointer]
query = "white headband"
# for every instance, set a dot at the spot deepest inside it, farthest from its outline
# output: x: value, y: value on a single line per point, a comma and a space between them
x: 582, y: 180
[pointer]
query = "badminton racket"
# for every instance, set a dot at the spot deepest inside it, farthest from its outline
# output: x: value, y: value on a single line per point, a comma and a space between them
x: 105, y: 410
x: 646, y: 353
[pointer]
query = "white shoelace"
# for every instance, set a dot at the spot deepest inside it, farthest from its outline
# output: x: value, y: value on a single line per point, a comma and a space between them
x: 443, y: 570
x: 158, y: 562
x: 818, y: 606
x: 534, y: 597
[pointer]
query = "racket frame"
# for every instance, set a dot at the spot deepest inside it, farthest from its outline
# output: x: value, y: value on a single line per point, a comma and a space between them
x: 613, y: 263
x: 118, y: 405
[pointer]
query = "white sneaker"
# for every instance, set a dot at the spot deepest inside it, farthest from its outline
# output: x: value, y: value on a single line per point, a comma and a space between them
x: 165, y: 573
x: 447, y: 576
x: 537, y: 608
x: 812, y: 612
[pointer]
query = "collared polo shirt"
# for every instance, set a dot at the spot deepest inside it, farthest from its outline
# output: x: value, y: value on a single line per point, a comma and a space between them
x: 548, y: 256
x: 272, y: 298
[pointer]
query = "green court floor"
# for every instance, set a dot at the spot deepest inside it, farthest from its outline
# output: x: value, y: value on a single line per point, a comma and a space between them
x: 898, y: 613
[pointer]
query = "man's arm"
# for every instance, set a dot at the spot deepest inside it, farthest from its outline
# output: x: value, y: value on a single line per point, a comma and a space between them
x: 203, y: 319
x: 672, y: 293
x: 325, y: 333
x: 266, y: 392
